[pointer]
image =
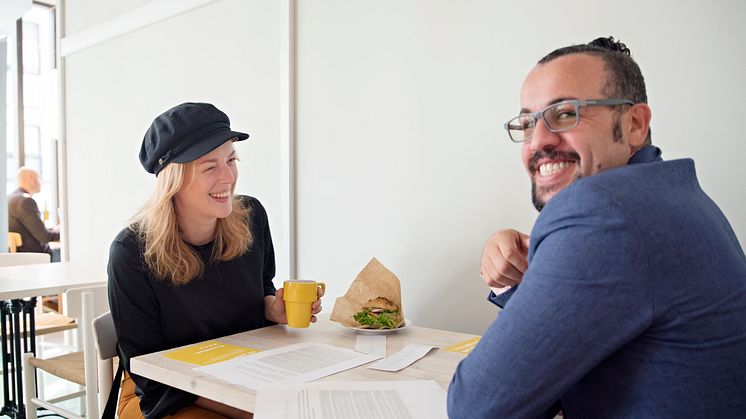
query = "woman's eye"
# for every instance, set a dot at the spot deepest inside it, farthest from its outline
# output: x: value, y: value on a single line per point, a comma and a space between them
x: 209, y: 168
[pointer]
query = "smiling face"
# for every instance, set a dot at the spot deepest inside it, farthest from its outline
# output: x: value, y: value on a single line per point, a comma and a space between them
x: 206, y: 192
x: 605, y: 137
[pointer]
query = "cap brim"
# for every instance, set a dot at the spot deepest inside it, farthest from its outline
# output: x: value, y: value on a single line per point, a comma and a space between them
x: 208, y: 144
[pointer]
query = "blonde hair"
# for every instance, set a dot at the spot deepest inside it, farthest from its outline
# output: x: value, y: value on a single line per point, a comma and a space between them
x: 167, y: 255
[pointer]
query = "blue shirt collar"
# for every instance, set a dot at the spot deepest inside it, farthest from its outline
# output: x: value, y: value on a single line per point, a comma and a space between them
x: 647, y: 154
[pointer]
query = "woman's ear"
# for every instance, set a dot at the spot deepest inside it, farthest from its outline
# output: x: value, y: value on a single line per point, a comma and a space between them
x: 639, y: 125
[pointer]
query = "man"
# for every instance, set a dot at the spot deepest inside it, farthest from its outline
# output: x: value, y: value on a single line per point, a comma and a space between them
x: 632, y: 300
x: 24, y: 217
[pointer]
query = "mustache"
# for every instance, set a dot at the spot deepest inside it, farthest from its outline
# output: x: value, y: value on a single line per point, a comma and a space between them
x: 554, y: 154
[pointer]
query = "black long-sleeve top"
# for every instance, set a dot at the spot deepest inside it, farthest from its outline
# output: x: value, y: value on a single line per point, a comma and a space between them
x: 151, y: 314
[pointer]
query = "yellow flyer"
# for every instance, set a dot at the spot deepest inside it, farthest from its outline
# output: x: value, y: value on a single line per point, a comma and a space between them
x: 210, y: 352
x: 464, y: 347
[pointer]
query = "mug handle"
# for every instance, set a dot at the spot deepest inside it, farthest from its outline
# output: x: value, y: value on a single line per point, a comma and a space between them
x: 323, y: 286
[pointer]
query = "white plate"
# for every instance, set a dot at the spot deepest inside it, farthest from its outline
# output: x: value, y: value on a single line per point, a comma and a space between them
x: 365, y: 331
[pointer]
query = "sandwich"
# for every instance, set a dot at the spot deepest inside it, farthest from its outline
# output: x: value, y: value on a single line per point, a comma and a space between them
x: 379, y: 313
x: 373, y: 300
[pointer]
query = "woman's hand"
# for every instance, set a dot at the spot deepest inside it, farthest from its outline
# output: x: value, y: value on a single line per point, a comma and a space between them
x: 274, y: 306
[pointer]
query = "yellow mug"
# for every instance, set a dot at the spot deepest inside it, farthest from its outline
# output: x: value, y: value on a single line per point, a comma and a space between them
x: 299, y: 295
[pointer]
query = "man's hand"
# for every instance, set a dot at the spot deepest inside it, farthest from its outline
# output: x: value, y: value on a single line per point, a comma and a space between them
x: 274, y: 306
x: 504, y: 259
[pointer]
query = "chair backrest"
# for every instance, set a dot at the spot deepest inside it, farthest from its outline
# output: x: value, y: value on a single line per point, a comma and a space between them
x: 72, y: 302
x: 104, y: 336
x: 14, y: 241
x: 72, y: 306
x: 105, y: 339
x: 12, y: 259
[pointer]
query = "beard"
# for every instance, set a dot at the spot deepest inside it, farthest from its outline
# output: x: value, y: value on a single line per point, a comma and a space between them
x: 535, y: 199
x: 536, y: 195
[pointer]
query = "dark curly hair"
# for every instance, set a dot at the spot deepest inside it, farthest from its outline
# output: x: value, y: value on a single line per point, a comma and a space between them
x: 625, y: 79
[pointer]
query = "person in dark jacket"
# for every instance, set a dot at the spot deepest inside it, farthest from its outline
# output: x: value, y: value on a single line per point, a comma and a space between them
x: 24, y: 217
x: 196, y: 263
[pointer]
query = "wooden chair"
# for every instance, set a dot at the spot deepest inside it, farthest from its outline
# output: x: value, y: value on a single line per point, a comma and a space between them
x: 105, y: 339
x: 72, y: 304
x: 14, y: 241
x: 82, y: 367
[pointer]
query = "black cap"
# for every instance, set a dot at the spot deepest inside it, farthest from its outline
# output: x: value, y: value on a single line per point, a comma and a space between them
x: 184, y: 133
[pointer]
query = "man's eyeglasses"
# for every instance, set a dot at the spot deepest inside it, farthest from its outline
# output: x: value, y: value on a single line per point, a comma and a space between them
x: 561, y: 116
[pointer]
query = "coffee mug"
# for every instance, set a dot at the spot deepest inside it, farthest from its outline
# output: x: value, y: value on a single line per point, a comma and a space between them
x: 299, y: 295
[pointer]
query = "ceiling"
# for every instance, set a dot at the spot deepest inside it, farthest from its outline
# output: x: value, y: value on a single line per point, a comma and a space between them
x: 11, y: 10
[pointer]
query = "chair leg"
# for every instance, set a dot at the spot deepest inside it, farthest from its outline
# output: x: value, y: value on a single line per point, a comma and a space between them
x: 40, y: 376
x: 82, y: 400
x: 89, y: 354
x: 29, y: 386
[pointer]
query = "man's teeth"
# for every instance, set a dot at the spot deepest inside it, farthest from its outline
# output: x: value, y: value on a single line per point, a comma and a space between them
x: 219, y: 195
x: 552, y: 168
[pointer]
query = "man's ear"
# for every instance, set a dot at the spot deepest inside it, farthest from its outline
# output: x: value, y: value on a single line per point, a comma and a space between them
x: 639, y: 125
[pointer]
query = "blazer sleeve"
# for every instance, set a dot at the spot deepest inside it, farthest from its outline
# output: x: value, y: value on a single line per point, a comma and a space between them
x: 134, y: 310
x: 29, y: 217
x: 583, y: 296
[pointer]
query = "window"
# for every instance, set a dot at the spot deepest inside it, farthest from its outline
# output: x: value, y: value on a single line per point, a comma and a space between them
x: 31, y: 99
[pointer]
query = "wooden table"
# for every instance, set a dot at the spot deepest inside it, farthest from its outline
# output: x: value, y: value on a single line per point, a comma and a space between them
x: 438, y: 365
x: 19, y: 287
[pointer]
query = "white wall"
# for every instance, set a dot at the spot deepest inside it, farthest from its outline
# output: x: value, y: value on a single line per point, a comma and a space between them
x: 401, y: 153
x: 223, y: 53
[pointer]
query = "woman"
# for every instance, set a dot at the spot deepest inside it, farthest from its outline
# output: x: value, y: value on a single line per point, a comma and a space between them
x: 196, y: 263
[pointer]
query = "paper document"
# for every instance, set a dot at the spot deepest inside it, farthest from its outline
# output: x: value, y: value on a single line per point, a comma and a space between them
x: 207, y: 353
x: 402, y: 359
x: 291, y: 364
x: 464, y: 347
x: 353, y: 400
x: 373, y: 345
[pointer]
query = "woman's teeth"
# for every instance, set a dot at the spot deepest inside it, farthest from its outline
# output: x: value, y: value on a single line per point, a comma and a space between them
x: 220, y: 195
x: 552, y: 168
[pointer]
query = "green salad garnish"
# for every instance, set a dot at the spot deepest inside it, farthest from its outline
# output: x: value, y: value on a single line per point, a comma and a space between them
x: 386, y: 319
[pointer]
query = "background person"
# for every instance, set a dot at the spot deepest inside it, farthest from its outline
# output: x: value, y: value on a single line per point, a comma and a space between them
x: 196, y: 263
x: 24, y: 216
x: 632, y: 295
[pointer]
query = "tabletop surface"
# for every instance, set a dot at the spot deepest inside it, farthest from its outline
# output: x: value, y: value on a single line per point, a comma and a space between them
x: 47, y: 278
x: 438, y: 365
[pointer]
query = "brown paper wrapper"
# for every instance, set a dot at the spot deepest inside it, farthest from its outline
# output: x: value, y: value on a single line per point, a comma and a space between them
x: 373, y: 281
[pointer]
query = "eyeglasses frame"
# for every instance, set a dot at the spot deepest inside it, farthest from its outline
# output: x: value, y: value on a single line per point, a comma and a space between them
x: 577, y: 103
